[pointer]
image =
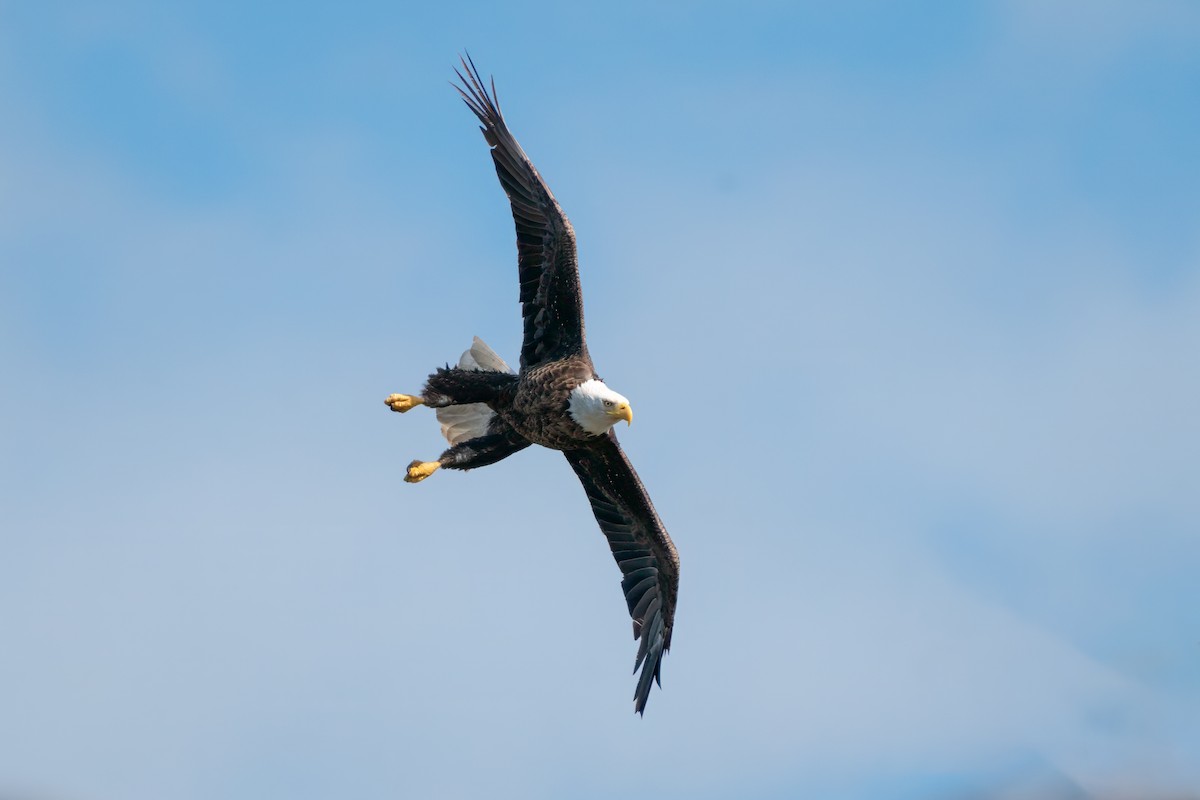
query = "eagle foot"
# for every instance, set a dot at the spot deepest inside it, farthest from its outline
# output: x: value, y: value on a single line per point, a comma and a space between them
x: 404, y: 402
x: 420, y: 470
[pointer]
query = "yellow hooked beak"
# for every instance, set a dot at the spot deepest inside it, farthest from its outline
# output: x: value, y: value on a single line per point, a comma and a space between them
x: 624, y: 412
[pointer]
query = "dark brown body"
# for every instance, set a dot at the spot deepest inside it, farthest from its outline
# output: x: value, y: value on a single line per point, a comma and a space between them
x: 539, y: 407
x: 530, y: 408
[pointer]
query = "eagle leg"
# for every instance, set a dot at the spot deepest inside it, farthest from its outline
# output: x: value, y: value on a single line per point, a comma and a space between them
x: 420, y: 470
x: 484, y: 450
x: 404, y: 402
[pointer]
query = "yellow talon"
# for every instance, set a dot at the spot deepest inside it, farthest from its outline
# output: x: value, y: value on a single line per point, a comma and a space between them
x: 404, y: 402
x: 420, y: 470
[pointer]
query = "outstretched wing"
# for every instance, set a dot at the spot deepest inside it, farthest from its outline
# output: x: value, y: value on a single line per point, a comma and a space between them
x: 551, y: 303
x: 642, y: 548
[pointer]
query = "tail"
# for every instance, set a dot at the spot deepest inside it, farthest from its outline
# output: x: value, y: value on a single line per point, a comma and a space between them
x: 482, y: 358
x: 470, y: 421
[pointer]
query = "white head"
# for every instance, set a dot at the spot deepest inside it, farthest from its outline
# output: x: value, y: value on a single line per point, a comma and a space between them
x: 596, y: 408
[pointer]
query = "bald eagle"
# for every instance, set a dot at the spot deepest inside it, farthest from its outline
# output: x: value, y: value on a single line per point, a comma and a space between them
x: 556, y: 399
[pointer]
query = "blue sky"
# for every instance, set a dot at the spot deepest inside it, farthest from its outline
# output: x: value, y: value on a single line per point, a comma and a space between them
x: 907, y: 299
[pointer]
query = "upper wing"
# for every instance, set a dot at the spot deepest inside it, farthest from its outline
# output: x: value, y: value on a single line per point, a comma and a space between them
x: 640, y: 544
x: 551, y: 302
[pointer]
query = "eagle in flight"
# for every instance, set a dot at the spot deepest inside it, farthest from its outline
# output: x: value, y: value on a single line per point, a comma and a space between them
x: 556, y: 399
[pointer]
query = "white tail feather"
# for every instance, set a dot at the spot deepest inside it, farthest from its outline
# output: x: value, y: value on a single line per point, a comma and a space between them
x: 469, y: 421
x: 460, y: 423
x: 482, y: 358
